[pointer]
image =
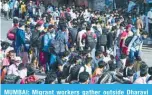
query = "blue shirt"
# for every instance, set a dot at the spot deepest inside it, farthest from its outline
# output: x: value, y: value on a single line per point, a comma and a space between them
x: 11, y: 5
x: 62, y: 36
x: 47, y: 41
x: 20, y: 37
x: 50, y: 9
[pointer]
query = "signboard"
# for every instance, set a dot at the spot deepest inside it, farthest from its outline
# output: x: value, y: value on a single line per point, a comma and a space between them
x: 99, y: 4
x: 149, y: 1
x: 131, y: 5
x: 109, y: 4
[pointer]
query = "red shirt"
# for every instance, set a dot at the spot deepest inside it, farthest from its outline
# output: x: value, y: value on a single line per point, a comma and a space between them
x: 124, y: 48
x: 123, y: 35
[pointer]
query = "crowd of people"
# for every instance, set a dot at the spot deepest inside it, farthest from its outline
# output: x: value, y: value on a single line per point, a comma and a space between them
x: 72, y: 45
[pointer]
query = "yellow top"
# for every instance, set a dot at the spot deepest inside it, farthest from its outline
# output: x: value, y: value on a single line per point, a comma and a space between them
x: 23, y: 8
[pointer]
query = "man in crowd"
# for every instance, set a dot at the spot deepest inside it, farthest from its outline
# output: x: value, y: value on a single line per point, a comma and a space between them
x: 11, y: 5
x: 6, y: 9
x: 20, y: 38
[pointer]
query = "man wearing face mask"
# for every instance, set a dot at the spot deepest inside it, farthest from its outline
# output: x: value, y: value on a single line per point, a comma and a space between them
x: 98, y: 57
x: 13, y: 69
x: 86, y: 15
x: 135, y: 46
x: 30, y: 8
x: 50, y: 35
x: 150, y: 22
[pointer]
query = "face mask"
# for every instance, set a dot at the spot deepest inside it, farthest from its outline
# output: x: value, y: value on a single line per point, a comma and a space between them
x: 117, y: 26
x: 52, y: 31
x: 57, y: 20
x: 17, y: 63
x: 23, y: 28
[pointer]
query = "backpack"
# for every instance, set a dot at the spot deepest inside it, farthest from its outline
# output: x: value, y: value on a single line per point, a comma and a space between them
x: 66, y: 68
x: 29, y: 80
x: 125, y: 72
x: 67, y: 16
x: 54, y: 62
x: 58, y: 44
x: 53, y: 59
x: 90, y: 41
x: 137, y: 42
x: 103, y: 78
x: 73, y: 32
x: 41, y: 41
x: 11, y: 35
x: 128, y: 40
x: 150, y: 78
x: 62, y: 15
x: 10, y: 79
x: 75, y: 71
x: 118, y: 39
x: 35, y: 39
x: 101, y: 38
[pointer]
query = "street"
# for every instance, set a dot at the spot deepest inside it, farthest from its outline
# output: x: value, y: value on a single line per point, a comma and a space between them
x: 146, y: 53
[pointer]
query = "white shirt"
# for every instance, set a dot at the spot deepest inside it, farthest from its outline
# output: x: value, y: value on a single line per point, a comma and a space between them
x: 88, y: 69
x: 23, y: 73
x: 13, y: 69
x: 106, y: 59
x: 139, y: 47
x: 6, y: 7
x: 99, y: 28
x: 143, y: 18
x: 87, y: 16
x: 140, y: 80
x: 150, y: 82
x: 119, y: 31
x: 110, y: 19
x: 149, y: 16
x: 16, y: 4
x: 73, y: 15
